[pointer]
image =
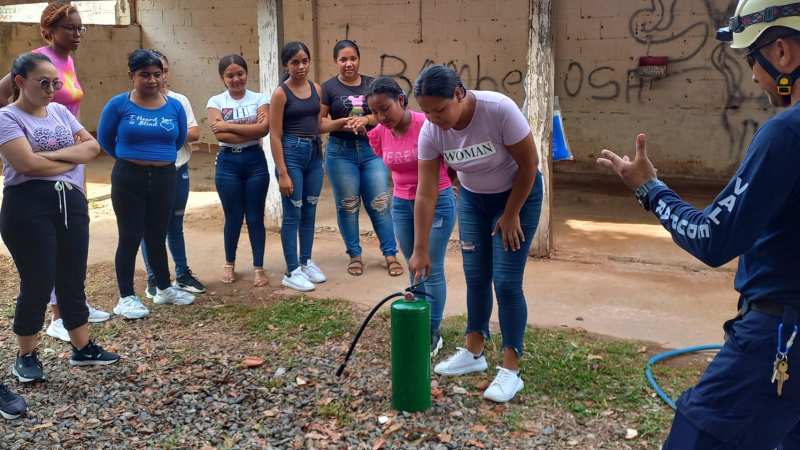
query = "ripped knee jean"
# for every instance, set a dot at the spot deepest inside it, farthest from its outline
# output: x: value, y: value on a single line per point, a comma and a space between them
x: 487, y: 263
x: 304, y: 166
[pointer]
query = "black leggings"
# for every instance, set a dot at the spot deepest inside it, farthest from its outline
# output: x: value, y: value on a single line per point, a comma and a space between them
x: 143, y: 199
x: 45, y: 225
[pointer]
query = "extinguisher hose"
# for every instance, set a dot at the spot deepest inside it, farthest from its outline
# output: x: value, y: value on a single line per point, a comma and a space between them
x: 413, y: 290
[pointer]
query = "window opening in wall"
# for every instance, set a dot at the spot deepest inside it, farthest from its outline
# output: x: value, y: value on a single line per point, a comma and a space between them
x: 97, y: 12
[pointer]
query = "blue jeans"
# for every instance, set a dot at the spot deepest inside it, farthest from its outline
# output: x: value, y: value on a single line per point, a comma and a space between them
x: 242, y: 179
x: 358, y: 175
x: 444, y: 220
x: 175, y: 241
x: 303, y: 160
x: 734, y: 406
x: 485, y: 262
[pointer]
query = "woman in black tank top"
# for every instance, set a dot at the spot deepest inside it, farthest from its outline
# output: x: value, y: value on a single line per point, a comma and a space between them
x: 294, y: 122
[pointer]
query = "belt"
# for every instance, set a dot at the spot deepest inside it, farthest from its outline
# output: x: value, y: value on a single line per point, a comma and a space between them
x: 768, y: 307
x: 225, y: 148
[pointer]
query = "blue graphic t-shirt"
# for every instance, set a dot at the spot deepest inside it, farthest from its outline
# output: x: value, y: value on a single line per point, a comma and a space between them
x: 128, y: 131
x: 755, y: 217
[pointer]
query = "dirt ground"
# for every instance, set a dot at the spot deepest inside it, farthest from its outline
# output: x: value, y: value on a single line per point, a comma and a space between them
x: 615, y: 271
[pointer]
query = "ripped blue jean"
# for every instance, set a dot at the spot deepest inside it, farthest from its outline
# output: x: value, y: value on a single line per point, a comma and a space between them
x: 304, y: 164
x: 444, y: 220
x: 486, y: 263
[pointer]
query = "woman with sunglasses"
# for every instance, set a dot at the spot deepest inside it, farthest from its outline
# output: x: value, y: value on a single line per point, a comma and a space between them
x: 44, y: 217
x: 143, y: 130
x: 62, y: 28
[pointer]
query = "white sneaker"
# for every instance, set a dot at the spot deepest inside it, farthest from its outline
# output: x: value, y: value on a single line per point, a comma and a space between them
x: 298, y: 281
x: 173, y: 296
x: 131, y: 307
x: 461, y: 363
x: 504, y: 387
x: 56, y: 329
x: 313, y: 273
x: 96, y: 315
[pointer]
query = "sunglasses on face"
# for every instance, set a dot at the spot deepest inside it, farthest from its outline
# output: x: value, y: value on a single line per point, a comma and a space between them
x: 54, y: 84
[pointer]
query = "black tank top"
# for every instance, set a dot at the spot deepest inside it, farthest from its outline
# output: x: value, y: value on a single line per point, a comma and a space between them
x: 301, y: 116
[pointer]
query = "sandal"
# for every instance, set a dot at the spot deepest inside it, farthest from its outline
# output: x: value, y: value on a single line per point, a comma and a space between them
x: 228, y: 273
x: 355, y: 267
x: 394, y: 267
x: 261, y: 279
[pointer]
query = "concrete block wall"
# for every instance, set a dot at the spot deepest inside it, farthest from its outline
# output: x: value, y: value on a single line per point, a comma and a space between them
x: 486, y: 40
x: 101, y: 62
x: 699, y: 119
x: 194, y: 34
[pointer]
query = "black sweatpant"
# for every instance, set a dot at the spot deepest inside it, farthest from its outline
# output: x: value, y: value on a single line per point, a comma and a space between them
x: 143, y: 199
x: 45, y: 225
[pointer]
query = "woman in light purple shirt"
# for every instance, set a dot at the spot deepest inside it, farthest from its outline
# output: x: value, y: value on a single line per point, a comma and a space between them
x: 486, y: 139
x: 44, y: 217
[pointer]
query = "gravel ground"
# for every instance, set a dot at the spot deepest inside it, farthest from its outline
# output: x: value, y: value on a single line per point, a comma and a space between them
x: 182, y: 384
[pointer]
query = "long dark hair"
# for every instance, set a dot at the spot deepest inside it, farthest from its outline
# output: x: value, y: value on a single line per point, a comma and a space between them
x: 287, y: 53
x: 388, y: 87
x: 23, y: 65
x: 438, y: 81
x: 141, y: 58
x: 343, y: 44
x: 228, y: 60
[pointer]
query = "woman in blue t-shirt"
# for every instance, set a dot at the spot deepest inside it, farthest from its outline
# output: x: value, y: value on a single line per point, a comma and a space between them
x: 144, y: 130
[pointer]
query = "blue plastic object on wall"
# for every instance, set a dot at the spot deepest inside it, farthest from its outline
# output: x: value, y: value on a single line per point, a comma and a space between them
x: 560, y: 144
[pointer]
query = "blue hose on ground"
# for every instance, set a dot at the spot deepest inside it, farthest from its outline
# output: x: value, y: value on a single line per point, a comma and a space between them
x: 648, y: 369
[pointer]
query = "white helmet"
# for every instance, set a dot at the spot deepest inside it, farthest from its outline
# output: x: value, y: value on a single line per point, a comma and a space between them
x: 753, y: 17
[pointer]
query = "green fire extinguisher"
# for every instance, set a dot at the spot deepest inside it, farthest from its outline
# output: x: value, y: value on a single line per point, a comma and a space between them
x: 411, y: 341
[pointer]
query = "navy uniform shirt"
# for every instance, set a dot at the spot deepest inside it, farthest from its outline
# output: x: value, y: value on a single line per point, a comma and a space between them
x: 756, y: 216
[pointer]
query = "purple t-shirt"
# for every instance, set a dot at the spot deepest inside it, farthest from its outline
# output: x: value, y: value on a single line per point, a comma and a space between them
x: 45, y: 134
x: 478, y: 153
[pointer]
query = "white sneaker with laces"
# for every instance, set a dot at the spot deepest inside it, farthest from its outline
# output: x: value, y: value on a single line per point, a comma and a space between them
x: 461, y: 363
x: 96, y: 315
x: 56, y: 329
x: 173, y: 296
x: 131, y: 307
x: 504, y: 387
x: 298, y: 281
x: 312, y: 272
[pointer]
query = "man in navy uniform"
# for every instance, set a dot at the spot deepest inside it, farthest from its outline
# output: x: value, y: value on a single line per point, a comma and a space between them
x: 749, y: 397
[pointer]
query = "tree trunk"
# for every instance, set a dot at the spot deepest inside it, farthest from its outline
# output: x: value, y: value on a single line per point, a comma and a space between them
x: 269, y: 70
x: 539, y: 100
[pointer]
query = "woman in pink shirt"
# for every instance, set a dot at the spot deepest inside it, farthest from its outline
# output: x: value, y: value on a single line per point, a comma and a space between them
x: 395, y: 141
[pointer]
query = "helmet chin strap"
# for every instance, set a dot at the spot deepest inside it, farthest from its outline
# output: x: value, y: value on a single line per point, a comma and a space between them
x: 785, y: 82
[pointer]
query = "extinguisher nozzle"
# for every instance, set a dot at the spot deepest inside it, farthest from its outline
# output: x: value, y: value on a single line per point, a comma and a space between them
x: 340, y: 370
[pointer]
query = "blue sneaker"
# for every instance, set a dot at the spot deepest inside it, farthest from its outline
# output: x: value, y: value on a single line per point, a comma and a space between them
x: 92, y: 355
x: 28, y: 368
x: 12, y: 406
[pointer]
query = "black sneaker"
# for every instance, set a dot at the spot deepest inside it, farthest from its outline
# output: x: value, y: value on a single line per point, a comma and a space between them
x: 436, y: 343
x: 189, y: 283
x: 92, y: 355
x: 28, y: 368
x: 150, y: 292
x: 11, y: 405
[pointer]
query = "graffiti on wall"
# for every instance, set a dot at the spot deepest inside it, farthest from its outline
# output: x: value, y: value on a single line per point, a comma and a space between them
x: 475, y: 76
x: 653, y: 26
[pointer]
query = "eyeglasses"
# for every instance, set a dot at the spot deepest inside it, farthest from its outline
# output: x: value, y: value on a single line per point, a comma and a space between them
x: 54, y: 84
x: 74, y: 29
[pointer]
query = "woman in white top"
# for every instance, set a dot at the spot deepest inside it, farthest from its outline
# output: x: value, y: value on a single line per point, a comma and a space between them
x: 239, y: 118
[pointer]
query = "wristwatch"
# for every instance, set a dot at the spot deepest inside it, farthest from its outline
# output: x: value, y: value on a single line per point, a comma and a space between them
x: 643, y: 190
